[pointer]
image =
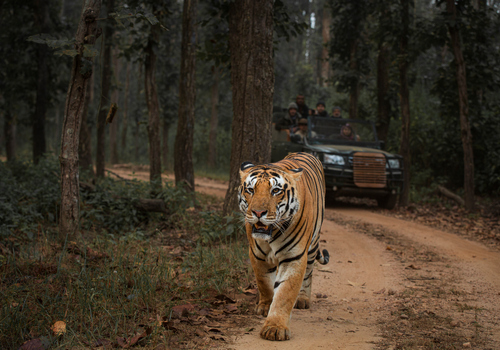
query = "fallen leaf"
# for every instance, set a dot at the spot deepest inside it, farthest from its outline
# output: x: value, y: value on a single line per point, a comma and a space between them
x: 183, y: 310
x: 382, y: 291
x: 36, y: 344
x: 413, y: 267
x: 354, y: 284
x: 225, y: 298
x: 59, y: 328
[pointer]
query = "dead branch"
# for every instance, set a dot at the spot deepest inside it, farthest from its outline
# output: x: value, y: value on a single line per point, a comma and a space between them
x: 451, y: 195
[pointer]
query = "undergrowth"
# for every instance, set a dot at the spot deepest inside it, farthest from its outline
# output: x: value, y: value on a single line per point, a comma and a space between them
x: 126, y: 269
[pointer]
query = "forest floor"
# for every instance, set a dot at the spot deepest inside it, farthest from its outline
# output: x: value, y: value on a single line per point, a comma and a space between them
x: 426, y: 277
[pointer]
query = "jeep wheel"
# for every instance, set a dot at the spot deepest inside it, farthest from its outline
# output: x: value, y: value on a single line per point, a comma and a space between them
x: 388, y: 202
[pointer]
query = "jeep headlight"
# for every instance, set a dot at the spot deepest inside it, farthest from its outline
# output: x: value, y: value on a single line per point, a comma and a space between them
x: 333, y: 159
x: 393, y: 164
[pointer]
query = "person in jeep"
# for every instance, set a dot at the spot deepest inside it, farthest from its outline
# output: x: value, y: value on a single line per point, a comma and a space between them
x: 302, y: 132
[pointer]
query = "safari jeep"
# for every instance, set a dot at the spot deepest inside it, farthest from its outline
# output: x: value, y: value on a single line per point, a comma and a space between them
x: 353, y: 160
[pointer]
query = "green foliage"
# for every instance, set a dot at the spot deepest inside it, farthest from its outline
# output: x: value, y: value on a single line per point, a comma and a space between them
x: 29, y: 194
x: 217, y: 228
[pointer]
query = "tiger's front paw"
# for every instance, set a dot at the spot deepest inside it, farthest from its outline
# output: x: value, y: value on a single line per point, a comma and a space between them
x: 272, y: 331
x: 262, y: 309
x: 302, y: 303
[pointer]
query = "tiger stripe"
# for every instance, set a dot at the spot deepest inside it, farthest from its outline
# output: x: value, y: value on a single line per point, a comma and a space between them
x: 284, y: 206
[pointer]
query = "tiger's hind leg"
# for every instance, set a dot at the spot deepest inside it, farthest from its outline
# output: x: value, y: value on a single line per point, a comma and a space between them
x: 304, y: 297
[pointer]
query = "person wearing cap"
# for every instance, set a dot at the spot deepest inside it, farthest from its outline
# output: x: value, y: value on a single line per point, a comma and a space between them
x: 302, y: 131
x: 321, y: 109
x: 337, y: 112
x: 301, y: 105
x: 289, y: 121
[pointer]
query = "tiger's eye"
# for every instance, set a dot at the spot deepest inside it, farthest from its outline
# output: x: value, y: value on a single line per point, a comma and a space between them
x: 250, y: 190
x: 276, y: 190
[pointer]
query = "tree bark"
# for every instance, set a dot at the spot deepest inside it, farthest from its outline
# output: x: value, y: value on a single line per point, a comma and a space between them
x: 212, y: 137
x: 404, y: 98
x: 113, y: 128
x: 10, y: 135
x: 463, y: 105
x: 252, y: 80
x: 85, y: 147
x: 38, y: 129
x: 326, y: 21
x: 137, y: 115
x: 73, y: 110
x: 354, y: 93
x: 183, y: 148
x: 125, y: 112
x: 384, y: 105
x: 153, y: 109
x: 164, y: 144
x: 105, y: 87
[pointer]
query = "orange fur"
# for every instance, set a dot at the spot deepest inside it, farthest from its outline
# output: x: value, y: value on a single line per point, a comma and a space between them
x: 283, y: 205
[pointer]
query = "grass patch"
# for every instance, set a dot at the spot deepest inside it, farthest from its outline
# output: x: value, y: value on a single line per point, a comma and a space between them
x: 126, y: 277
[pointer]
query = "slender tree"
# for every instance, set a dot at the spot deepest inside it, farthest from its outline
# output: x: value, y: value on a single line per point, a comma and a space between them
x: 104, y: 104
x: 113, y: 128
x: 153, y: 107
x: 214, y: 114
x: 463, y: 105
x: 252, y: 80
x: 404, y: 98
x: 42, y: 19
x: 383, y: 105
x: 326, y: 22
x: 125, y: 112
x: 73, y: 111
x: 10, y: 126
x: 183, y: 148
x: 85, y: 147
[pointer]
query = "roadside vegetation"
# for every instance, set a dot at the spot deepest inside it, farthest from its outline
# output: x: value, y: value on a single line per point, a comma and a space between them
x: 129, y: 277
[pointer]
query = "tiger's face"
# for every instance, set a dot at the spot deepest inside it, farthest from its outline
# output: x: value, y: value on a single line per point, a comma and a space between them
x: 268, y: 197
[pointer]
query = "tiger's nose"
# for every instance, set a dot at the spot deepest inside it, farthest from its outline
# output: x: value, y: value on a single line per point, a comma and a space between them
x: 259, y: 213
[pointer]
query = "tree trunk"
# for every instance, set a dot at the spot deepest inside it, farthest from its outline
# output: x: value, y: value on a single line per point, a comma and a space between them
x: 212, y: 138
x: 125, y: 113
x: 164, y: 144
x: 137, y: 115
x: 10, y: 135
x: 38, y: 129
x: 384, y: 105
x: 105, y: 86
x: 404, y: 98
x: 354, y: 93
x: 463, y: 105
x: 326, y: 21
x: 113, y: 128
x: 183, y: 148
x: 73, y: 111
x: 153, y: 109
x: 85, y: 147
x: 252, y: 79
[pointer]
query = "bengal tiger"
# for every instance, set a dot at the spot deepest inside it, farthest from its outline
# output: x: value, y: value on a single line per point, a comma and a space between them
x: 284, y: 205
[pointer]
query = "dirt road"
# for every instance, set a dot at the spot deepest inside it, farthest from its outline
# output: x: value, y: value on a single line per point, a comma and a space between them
x: 390, y: 284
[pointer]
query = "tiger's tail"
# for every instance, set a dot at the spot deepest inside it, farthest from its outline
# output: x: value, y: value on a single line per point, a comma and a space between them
x: 323, y: 260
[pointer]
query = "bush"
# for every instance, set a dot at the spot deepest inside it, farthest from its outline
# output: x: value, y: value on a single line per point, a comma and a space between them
x: 29, y: 194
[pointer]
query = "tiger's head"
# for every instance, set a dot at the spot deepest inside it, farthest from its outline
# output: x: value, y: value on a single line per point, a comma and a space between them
x: 268, y: 197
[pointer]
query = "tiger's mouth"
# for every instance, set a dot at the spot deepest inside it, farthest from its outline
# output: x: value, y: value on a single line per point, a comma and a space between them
x: 260, y: 228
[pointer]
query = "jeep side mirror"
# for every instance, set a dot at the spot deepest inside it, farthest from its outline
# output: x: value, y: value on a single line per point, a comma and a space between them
x: 382, y: 145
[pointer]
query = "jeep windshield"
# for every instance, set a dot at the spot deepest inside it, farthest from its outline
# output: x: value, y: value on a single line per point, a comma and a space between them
x: 341, y: 131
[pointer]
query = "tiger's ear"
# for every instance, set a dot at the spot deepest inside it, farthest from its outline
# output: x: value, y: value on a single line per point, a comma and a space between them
x: 245, y: 167
x: 295, y: 173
